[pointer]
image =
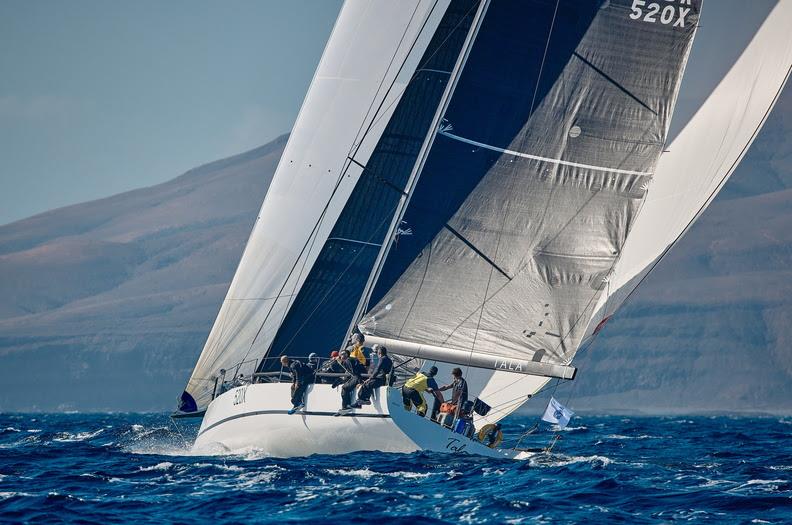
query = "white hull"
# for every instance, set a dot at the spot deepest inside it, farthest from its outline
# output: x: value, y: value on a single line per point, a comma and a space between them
x: 254, y: 417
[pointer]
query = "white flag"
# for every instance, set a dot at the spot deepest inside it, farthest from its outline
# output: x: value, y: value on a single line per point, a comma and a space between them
x: 557, y: 413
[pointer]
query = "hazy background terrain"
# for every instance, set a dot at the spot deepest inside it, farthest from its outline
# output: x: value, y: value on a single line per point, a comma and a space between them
x: 105, y: 305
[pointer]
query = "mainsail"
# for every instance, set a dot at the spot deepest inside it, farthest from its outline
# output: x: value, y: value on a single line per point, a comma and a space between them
x: 539, y: 170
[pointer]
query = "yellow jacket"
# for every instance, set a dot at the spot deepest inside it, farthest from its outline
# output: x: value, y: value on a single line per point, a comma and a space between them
x: 418, y: 382
x: 357, y: 353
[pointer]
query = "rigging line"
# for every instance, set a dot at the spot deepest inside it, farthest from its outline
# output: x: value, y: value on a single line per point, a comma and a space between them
x: 374, y: 121
x: 504, y: 216
x: 311, y: 237
x: 544, y: 57
x: 378, y: 115
x: 454, y: 76
x: 380, y: 178
x: 387, y: 69
x: 717, y: 188
x: 331, y: 288
x: 478, y: 252
x: 420, y: 67
x: 420, y: 287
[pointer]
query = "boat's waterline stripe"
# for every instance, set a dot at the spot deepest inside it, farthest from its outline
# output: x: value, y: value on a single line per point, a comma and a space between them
x: 543, y: 159
x: 286, y: 412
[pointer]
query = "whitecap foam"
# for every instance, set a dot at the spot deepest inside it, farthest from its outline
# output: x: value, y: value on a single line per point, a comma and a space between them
x: 367, y: 473
x: 9, y: 495
x: 68, y: 437
x: 164, y: 465
x: 622, y: 436
x: 562, y: 460
x: 761, y: 485
x: 267, y: 476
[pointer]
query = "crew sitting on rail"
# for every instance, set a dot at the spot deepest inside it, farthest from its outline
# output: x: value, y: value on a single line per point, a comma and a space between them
x: 412, y: 391
x: 357, y: 351
x: 331, y: 366
x: 302, y: 376
x: 313, y: 361
x: 354, y: 376
x: 459, y: 390
x: 378, y: 376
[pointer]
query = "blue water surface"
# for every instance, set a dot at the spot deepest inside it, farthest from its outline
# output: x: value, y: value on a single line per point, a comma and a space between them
x: 122, y: 468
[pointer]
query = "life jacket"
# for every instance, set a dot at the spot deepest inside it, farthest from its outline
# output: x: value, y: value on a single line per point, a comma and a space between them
x: 418, y: 382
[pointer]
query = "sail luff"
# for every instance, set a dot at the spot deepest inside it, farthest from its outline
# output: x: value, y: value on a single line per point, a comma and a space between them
x: 737, y: 108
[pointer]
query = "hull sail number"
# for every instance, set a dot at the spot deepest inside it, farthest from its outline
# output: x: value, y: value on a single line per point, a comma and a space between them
x: 665, y: 12
x: 239, y: 395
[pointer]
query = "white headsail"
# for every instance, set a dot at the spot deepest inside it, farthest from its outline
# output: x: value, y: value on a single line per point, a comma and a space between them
x: 363, y: 109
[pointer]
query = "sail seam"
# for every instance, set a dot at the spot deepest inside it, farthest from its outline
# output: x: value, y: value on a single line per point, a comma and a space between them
x: 613, y: 81
x: 478, y: 252
x: 542, y: 159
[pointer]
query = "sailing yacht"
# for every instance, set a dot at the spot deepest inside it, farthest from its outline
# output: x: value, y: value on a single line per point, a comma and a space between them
x: 481, y: 184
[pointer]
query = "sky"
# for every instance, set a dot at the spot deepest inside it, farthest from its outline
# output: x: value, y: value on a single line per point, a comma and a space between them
x: 100, y: 97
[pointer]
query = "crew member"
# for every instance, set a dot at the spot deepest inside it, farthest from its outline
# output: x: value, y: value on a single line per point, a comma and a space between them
x: 356, y: 351
x: 378, y: 376
x: 302, y: 376
x: 459, y: 389
x: 354, y: 376
x: 412, y: 391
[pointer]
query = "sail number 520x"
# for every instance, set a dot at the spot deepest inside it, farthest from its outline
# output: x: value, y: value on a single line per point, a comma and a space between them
x: 654, y: 12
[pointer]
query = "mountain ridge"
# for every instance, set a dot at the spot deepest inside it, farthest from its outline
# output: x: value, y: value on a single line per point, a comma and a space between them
x: 106, y: 305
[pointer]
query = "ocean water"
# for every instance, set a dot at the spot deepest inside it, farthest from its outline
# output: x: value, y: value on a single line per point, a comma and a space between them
x: 125, y: 468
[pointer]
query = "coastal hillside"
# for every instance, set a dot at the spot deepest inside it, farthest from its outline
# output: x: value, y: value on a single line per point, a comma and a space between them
x: 105, y: 305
